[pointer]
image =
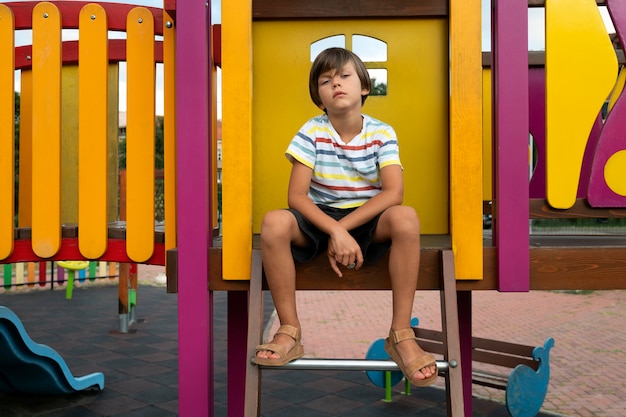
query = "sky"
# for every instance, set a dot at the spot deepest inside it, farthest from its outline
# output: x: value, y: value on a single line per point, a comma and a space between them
x: 536, y: 41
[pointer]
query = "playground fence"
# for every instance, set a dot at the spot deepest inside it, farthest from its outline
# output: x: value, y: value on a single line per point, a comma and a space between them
x: 42, y: 275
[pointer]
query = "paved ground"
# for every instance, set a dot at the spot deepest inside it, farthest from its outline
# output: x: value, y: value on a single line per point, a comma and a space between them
x: 141, y: 367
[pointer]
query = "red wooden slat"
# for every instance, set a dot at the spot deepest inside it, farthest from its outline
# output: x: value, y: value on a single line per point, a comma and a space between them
x: 116, y: 14
x: 116, y: 252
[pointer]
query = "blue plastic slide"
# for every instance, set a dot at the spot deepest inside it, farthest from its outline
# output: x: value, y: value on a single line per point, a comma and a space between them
x: 29, y: 367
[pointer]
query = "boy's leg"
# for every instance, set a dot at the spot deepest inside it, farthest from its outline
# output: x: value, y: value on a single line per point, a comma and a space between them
x: 400, y: 224
x: 278, y: 230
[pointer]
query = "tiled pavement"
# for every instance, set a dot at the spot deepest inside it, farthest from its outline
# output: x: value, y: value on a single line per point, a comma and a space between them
x: 141, y: 367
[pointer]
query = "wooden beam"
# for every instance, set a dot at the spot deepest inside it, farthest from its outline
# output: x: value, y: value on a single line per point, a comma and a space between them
x: 325, y: 9
x: 542, y: 3
x: 556, y: 263
x: 540, y: 209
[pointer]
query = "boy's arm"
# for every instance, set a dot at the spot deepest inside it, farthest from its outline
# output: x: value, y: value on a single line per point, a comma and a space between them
x: 343, y: 249
x: 391, y: 195
x: 298, y: 198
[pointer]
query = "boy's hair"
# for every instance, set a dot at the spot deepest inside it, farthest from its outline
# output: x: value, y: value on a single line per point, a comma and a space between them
x: 335, y: 59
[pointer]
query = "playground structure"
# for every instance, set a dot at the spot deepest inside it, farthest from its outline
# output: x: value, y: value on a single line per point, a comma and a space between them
x: 446, y: 136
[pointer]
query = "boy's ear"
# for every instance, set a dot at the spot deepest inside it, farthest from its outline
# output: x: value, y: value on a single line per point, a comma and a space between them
x: 364, y: 91
x: 321, y: 107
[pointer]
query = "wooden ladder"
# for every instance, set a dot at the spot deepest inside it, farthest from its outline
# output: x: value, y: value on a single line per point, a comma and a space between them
x: 450, y: 368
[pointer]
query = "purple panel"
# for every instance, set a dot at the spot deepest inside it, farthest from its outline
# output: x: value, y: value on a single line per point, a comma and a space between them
x: 586, y: 168
x: 613, y: 135
x: 195, y: 328
x: 237, y: 351
x: 464, y: 303
x: 510, y: 77
x: 537, y: 128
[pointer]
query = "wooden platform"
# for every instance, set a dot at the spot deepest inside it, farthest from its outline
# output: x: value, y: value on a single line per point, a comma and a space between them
x: 556, y: 263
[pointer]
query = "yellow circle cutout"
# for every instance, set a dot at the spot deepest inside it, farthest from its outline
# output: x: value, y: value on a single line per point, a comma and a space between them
x: 615, y: 173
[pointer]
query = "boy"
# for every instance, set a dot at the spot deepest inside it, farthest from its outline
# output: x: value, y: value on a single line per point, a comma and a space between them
x: 345, y: 198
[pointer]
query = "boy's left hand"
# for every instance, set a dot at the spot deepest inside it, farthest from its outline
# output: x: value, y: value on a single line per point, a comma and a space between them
x: 344, y: 251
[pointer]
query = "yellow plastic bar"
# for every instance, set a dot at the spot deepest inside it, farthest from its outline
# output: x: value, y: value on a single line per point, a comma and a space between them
x: 487, y: 135
x: 581, y: 69
x: 46, y: 56
x: 19, y: 273
x: 25, y: 197
x: 169, y: 128
x: 7, y: 136
x: 30, y: 274
x: 466, y: 138
x: 92, y: 131
x: 140, y: 132
x: 237, y: 138
x: 112, y: 270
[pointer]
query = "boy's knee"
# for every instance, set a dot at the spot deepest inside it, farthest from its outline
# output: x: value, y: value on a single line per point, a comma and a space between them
x: 274, y: 223
x: 406, y: 220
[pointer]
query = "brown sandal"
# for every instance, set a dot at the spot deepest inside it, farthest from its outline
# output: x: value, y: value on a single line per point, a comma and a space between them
x: 285, y: 357
x: 426, y: 359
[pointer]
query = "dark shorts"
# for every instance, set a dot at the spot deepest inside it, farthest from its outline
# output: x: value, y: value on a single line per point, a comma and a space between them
x: 319, y: 240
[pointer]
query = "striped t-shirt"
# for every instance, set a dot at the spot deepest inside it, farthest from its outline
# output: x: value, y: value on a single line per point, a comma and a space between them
x: 344, y: 175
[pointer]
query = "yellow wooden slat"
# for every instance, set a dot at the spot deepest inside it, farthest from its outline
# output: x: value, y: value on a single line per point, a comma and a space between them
x: 92, y: 131
x: 466, y: 138
x: 140, y: 132
x: 487, y: 135
x: 46, y: 56
x: 25, y: 196
x: 169, y: 128
x: 7, y: 136
x: 237, y: 138
x: 69, y: 144
x: 113, y: 141
x: 581, y: 69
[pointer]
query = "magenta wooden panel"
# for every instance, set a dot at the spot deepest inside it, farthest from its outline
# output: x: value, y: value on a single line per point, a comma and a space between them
x: 537, y: 128
x: 613, y: 137
x: 195, y: 321
x: 511, y: 97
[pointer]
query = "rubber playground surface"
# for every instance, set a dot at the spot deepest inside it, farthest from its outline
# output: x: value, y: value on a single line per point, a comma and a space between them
x: 140, y: 368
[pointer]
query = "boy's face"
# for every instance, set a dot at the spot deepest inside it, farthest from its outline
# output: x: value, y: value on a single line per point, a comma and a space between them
x: 340, y: 91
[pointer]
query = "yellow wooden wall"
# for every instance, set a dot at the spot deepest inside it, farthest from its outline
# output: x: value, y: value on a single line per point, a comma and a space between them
x: 444, y: 181
x: 416, y: 105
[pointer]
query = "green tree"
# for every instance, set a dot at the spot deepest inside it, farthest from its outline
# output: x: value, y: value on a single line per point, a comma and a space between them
x: 378, y: 88
x: 158, y: 143
x: 158, y: 146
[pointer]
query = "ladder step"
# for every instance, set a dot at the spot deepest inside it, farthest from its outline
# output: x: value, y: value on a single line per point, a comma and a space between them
x: 309, y: 364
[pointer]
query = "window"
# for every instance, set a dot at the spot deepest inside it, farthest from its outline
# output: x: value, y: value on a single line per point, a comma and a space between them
x: 372, y: 51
